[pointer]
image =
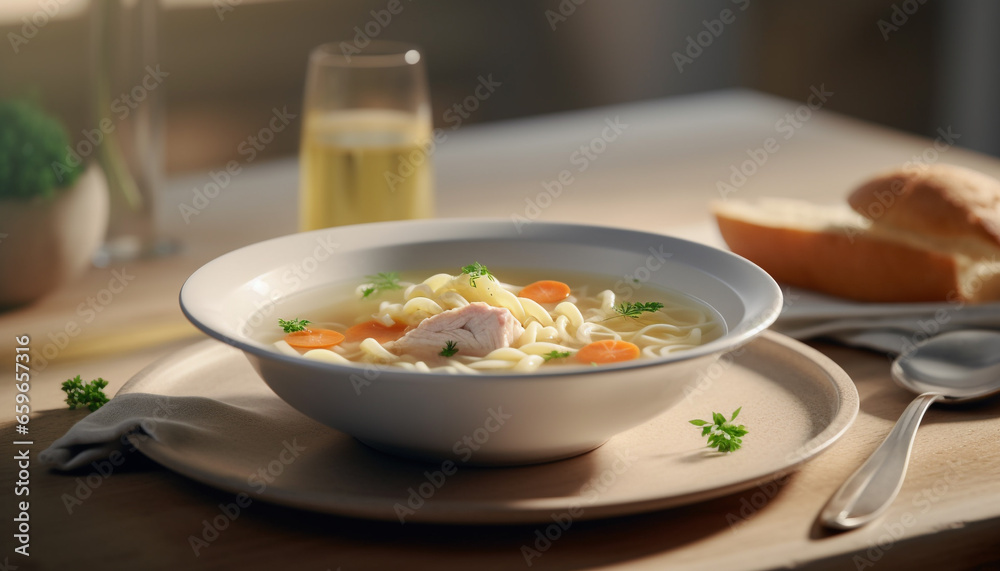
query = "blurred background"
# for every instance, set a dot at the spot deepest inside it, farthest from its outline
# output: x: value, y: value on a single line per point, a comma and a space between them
x: 916, y: 65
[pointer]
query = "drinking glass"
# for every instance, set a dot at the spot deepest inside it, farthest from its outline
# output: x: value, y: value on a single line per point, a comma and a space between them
x: 366, y: 136
x: 126, y: 131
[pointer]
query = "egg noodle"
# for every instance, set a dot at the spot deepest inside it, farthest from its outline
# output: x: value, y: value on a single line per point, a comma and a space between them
x: 562, y: 327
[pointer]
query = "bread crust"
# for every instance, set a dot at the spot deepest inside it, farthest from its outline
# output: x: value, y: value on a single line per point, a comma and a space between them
x: 845, y: 264
x: 937, y: 201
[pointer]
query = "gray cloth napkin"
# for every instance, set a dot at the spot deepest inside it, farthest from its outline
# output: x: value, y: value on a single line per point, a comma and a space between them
x: 889, y: 335
x: 890, y: 328
x: 926, y: 323
x: 164, y: 419
x: 232, y: 405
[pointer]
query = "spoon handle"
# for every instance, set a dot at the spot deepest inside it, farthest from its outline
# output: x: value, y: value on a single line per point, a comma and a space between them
x: 871, y: 489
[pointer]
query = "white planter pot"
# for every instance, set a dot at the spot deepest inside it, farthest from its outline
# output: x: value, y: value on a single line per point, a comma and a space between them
x: 45, y: 243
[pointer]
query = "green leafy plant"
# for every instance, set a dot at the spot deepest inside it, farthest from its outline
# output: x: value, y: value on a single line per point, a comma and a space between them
x: 475, y: 271
x: 293, y: 325
x: 450, y: 348
x: 722, y: 435
x: 33, y: 152
x: 634, y: 310
x: 380, y: 282
x: 88, y: 394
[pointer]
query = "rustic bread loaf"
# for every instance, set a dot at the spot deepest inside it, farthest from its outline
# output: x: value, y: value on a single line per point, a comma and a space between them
x: 956, y: 206
x: 930, y: 234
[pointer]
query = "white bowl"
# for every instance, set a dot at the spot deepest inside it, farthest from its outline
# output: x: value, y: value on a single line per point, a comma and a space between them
x: 476, y: 419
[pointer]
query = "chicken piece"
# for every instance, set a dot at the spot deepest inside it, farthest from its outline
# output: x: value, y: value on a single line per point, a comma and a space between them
x: 476, y: 329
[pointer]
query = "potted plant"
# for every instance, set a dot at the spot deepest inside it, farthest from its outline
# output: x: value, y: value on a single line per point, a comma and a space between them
x: 53, y: 211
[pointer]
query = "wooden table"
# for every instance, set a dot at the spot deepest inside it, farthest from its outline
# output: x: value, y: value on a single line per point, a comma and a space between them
x: 652, y: 166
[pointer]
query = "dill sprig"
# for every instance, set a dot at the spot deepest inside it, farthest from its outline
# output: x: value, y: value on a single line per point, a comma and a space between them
x: 634, y: 310
x: 475, y: 271
x: 380, y: 282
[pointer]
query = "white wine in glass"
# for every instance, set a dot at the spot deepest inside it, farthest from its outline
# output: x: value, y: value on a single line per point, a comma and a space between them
x: 365, y: 137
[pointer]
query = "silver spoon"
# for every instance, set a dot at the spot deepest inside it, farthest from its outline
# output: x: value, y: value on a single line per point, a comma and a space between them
x: 954, y: 367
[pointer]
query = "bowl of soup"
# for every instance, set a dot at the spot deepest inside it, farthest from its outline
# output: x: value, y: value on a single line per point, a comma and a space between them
x: 481, y: 341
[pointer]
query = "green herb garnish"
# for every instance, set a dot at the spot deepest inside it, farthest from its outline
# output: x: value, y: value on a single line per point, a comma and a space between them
x: 634, y: 310
x: 89, y: 394
x: 555, y: 355
x: 721, y: 434
x: 293, y: 325
x: 380, y: 282
x: 450, y: 348
x: 476, y: 271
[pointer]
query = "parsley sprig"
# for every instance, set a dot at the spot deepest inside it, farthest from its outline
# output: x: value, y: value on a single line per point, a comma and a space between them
x: 634, y: 310
x: 293, y: 325
x: 555, y: 355
x: 476, y: 271
x: 723, y: 435
x: 380, y: 282
x: 450, y: 348
x: 88, y: 394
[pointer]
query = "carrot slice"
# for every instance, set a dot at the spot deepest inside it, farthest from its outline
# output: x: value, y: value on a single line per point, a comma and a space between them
x: 545, y: 291
x: 607, y: 351
x: 376, y: 330
x: 314, y: 338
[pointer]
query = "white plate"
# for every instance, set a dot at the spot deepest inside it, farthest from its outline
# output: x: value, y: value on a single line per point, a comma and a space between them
x: 796, y: 402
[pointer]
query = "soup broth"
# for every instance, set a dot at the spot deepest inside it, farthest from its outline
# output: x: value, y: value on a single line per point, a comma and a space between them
x: 506, y: 321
